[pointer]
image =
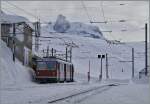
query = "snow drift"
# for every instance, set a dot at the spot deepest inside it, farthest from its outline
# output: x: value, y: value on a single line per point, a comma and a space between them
x: 12, y: 73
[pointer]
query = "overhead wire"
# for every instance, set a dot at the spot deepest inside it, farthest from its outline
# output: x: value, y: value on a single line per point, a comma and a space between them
x: 103, y: 14
x: 17, y: 7
x: 83, y: 7
x: 23, y: 10
x: 103, y: 17
x: 86, y: 11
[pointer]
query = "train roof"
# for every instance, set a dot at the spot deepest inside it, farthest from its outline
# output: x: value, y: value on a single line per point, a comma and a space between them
x: 52, y: 58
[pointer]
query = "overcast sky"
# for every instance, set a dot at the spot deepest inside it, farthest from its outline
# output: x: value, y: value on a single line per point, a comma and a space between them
x: 136, y: 14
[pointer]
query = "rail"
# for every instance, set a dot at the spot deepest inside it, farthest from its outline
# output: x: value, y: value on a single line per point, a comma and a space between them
x: 83, y: 92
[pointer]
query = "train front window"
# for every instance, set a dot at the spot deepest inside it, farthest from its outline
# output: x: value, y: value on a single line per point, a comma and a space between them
x: 41, y: 65
x: 48, y: 65
x: 51, y: 65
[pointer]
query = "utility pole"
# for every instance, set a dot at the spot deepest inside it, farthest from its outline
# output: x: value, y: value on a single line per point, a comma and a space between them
x: 14, y: 46
x: 146, y: 49
x: 101, y: 73
x: 132, y: 62
x: 52, y: 52
x: 107, y: 76
x: 89, y: 72
x: 71, y: 54
x: 1, y: 19
x: 47, y: 51
x: 101, y: 70
x: 37, y: 34
x: 66, y: 53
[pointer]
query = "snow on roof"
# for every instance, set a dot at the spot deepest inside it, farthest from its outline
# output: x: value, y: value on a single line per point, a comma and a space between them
x: 12, y: 18
x: 7, y: 18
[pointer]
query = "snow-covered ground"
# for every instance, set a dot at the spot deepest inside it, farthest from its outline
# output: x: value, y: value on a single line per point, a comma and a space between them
x: 16, y: 85
x: 89, y: 48
x: 123, y: 94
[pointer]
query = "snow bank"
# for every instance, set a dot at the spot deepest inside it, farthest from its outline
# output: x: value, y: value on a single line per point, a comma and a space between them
x: 12, y: 73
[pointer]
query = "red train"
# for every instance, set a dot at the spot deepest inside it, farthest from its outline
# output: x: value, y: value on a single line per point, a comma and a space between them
x: 52, y: 69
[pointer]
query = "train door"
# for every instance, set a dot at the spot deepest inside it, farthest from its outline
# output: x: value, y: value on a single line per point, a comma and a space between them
x: 58, y: 71
x: 71, y: 72
x: 64, y: 72
x: 61, y: 72
x: 68, y: 73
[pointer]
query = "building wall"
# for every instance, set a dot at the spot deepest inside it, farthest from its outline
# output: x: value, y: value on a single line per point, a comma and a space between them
x: 6, y: 30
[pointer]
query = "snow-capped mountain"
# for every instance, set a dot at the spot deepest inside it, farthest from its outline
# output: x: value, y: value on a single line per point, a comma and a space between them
x: 62, y: 25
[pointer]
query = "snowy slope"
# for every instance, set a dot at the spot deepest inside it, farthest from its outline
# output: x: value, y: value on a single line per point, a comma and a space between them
x: 88, y: 49
x: 89, y: 46
x: 12, y: 74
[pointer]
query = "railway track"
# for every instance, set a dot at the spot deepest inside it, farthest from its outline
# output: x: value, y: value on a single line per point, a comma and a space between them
x: 82, y: 95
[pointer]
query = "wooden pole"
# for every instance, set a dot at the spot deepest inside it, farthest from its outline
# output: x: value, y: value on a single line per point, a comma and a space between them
x: 47, y: 51
x: 14, y: 31
x: 89, y: 72
x: 107, y: 76
x: 132, y: 62
x: 146, y: 49
x: 100, y: 76
x: 0, y: 21
x: 52, y: 52
x: 66, y: 53
x: 71, y: 54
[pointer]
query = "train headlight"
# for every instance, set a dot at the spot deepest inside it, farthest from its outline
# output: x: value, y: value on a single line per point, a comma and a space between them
x: 37, y: 72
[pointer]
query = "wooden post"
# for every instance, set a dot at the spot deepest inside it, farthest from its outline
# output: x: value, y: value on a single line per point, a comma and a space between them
x: 89, y: 72
x: 146, y: 49
x: 0, y: 19
x: 66, y: 53
x: 52, y: 52
x: 14, y: 34
x: 37, y: 34
x: 107, y: 76
x: 71, y: 54
x: 132, y: 62
x: 100, y: 76
x: 47, y: 51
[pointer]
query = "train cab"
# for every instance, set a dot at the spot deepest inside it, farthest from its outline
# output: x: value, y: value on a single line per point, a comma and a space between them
x: 52, y: 69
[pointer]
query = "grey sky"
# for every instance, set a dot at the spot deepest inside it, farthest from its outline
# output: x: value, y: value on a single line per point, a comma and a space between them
x: 135, y: 12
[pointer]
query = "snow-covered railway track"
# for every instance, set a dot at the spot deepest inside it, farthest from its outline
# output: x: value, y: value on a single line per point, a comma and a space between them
x: 83, y: 95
